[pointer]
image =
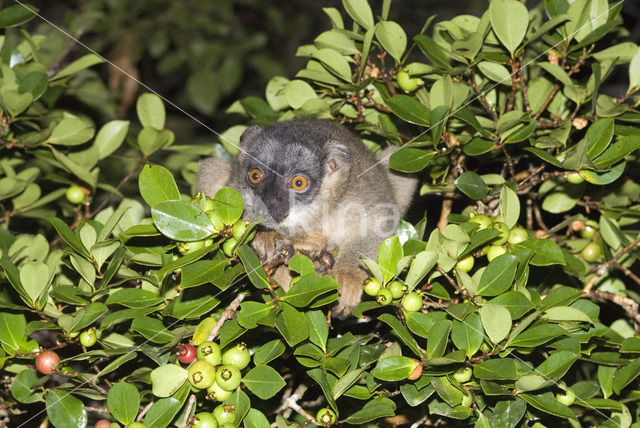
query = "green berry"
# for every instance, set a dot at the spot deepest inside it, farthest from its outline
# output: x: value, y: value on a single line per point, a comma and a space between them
x: 574, y: 178
x: 210, y: 352
x: 462, y: 375
x: 495, y: 251
x: 517, y: 235
x: 201, y: 374
x: 568, y: 398
x: 190, y: 247
x: 228, y: 377
x: 503, y: 237
x: 371, y: 287
x: 227, y: 246
x: 239, y: 228
x: 589, y: 230
x: 88, y: 338
x: 225, y: 414
x: 592, y: 252
x: 412, y: 302
x: 75, y: 194
x: 326, y: 417
x: 397, y: 289
x: 384, y: 296
x: 465, y: 264
x: 237, y: 356
x: 204, y: 420
x: 215, y: 393
x: 406, y: 82
x: 482, y: 220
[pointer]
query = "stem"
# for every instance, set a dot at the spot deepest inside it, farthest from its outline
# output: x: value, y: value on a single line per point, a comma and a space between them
x: 481, y: 96
x: 226, y: 315
x: 192, y: 402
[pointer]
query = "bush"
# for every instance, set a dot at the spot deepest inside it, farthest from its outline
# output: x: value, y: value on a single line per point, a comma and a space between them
x: 529, y: 293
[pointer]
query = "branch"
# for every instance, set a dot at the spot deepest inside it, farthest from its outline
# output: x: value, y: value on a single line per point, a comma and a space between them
x: 144, y: 411
x: 292, y: 403
x: 226, y: 315
x: 481, y: 96
x: 602, y: 268
x: 192, y: 402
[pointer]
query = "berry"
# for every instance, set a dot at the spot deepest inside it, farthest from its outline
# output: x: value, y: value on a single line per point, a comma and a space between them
x: 227, y: 246
x: 216, y: 222
x: 239, y: 228
x: 417, y: 371
x: 592, y: 252
x: 210, y: 352
x: 204, y: 420
x: 504, y: 233
x: 225, y: 414
x: 574, y: 178
x: 88, y: 338
x: 215, y: 393
x: 568, y: 398
x: 589, y: 229
x: 136, y: 425
x: 495, y: 251
x: 47, y: 362
x: 406, y: 82
x: 186, y: 353
x: 466, y: 264
x: 237, y: 356
x: 201, y: 374
x: 384, y: 296
x: 371, y: 287
x: 517, y: 235
x: 75, y: 194
x: 467, y: 399
x: 483, y: 221
x: 326, y: 417
x: 397, y: 289
x: 190, y: 247
x: 462, y: 375
x: 412, y: 302
x: 102, y: 423
x: 228, y: 377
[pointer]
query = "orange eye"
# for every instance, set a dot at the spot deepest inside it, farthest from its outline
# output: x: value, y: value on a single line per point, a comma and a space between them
x: 299, y: 183
x: 255, y: 176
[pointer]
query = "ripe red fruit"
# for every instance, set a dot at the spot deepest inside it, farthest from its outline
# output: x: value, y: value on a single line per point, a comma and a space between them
x: 417, y: 371
x: 102, y: 423
x: 47, y: 361
x: 186, y: 353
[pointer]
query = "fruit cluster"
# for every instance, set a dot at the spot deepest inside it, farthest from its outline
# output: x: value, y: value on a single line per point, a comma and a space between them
x: 498, y: 245
x: 393, y: 291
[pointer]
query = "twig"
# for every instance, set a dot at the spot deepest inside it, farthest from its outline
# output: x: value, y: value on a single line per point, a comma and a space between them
x: 523, y: 88
x: 192, y: 402
x: 292, y: 403
x: 481, y: 96
x: 546, y: 103
x: 144, y: 411
x: 226, y: 315
x: 627, y: 272
x: 629, y: 305
x: 514, y: 84
x: 459, y: 290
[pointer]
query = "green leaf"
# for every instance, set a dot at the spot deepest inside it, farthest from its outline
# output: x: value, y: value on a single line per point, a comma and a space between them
x: 509, y: 20
x: 617, y: 151
x: 13, y: 329
x: 439, y: 116
x: 599, y: 134
x: 509, y: 206
x: 377, y: 408
x: 360, y: 12
x: 151, y: 140
x: 516, y: 303
x: 410, y: 110
x: 152, y: 329
x: 318, y: 329
x: 150, y: 110
x: 335, y: 61
x: 433, y: 51
x: 468, y: 334
x: 415, y: 396
x: 240, y: 402
x: 508, y: 413
x: 548, y: 404
x: 496, y: 321
x: 251, y: 313
x: 167, y: 379
x: 557, y: 364
x: 81, y: 63
x: 181, y: 221
x: 228, y: 205
x: 392, y: 38
x: 35, y: 279
x: 298, y: 92
x: 496, y: 369
x: 401, y: 331
x: 410, y: 159
x: 321, y: 379
x: 496, y: 72
x: 134, y: 298
x: 472, y: 185
x: 301, y: 264
x: 263, y: 381
x: 123, y: 401
x: 292, y: 325
x: 16, y: 102
x: 602, y: 178
x: 538, y: 335
x: 394, y: 368
x: 256, y: 419
x: 162, y: 412
x: 64, y: 410
x: 438, y: 338
x: 566, y: 313
x: 157, y: 185
x: 36, y: 83
x: 268, y: 352
x: 389, y: 254
x: 308, y: 288
x: 545, y: 252
x: 17, y: 14
x: 498, y: 276
x: 71, y: 131
x: 21, y: 387
x: 201, y: 272
x: 421, y: 265
x: 253, y: 267
x: 110, y: 137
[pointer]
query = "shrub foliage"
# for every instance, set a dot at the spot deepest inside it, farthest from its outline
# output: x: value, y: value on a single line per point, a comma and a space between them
x: 529, y: 285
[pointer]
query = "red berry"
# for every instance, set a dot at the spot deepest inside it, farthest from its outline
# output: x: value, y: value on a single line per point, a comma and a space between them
x: 47, y: 361
x: 186, y: 353
x: 417, y: 371
x: 102, y: 423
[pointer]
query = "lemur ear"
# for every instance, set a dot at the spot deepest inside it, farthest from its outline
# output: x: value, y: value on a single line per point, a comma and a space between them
x: 338, y: 157
x: 249, y: 134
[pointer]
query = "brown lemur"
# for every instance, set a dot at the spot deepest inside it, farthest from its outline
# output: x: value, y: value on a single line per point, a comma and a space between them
x: 318, y: 188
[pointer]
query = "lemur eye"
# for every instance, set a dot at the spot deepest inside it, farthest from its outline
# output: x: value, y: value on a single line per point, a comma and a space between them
x: 299, y: 183
x: 255, y: 176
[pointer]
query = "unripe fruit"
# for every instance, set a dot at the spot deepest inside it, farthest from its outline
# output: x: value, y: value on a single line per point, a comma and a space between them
x: 574, y: 178
x: 417, y: 371
x: 136, y: 425
x: 371, y: 287
x: 186, y: 353
x: 237, y: 356
x: 326, y: 417
x: 397, y: 289
x: 215, y: 393
x: 216, y: 222
x: 568, y: 398
x: 227, y: 246
x: 462, y: 375
x: 201, y: 374
x: 495, y: 251
x: 467, y: 400
x: 102, y: 423
x: 466, y: 264
x: 406, y: 82
x: 518, y: 235
x: 190, y: 247
x: 412, y: 302
x: 592, y: 252
x: 239, y: 228
x: 589, y: 229
x: 47, y: 362
x: 504, y: 233
x: 384, y: 296
x: 88, y: 338
x: 204, y: 420
x: 228, y: 377
x: 225, y: 414
x: 210, y: 352
x: 483, y: 221
x: 75, y: 194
